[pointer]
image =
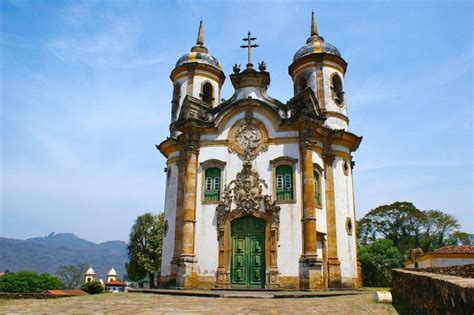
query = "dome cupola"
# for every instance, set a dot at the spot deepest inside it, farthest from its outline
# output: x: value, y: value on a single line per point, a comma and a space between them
x: 316, y: 44
x: 199, y: 53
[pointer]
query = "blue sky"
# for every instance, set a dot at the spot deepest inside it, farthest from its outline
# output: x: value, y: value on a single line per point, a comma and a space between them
x: 85, y: 95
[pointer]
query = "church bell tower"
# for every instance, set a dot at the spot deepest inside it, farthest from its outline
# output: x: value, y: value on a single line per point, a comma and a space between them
x: 197, y: 75
x: 318, y: 65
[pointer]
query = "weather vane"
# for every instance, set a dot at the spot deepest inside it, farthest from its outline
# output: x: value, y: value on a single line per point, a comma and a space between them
x: 249, y: 46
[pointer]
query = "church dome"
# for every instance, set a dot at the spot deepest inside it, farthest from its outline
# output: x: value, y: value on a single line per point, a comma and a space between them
x: 316, y: 44
x: 90, y: 271
x: 199, y: 57
x: 112, y: 272
x: 199, y: 53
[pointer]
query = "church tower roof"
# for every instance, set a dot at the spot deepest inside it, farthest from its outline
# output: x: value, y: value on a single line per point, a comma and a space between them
x: 315, y: 44
x: 199, y: 53
x: 90, y: 271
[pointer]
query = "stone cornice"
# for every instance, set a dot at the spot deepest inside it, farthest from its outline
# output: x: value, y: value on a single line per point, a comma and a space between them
x: 317, y: 58
x: 250, y: 77
x: 192, y: 67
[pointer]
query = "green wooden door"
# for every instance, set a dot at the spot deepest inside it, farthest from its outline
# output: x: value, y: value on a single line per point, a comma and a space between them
x: 248, y: 253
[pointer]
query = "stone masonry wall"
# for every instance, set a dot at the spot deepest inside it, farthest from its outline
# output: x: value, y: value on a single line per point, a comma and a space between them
x: 416, y: 292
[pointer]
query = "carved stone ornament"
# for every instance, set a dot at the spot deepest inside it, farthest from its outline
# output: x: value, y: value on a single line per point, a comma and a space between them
x: 248, y: 137
x: 246, y: 192
x: 247, y: 189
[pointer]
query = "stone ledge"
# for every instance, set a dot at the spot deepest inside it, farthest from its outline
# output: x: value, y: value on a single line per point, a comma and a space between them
x: 257, y: 294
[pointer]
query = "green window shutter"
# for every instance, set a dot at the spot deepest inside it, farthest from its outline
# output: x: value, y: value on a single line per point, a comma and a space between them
x: 284, y: 182
x: 213, y: 184
x: 317, y: 188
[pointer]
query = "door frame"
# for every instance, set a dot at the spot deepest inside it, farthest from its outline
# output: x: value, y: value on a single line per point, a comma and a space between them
x: 248, y: 252
x: 223, y: 279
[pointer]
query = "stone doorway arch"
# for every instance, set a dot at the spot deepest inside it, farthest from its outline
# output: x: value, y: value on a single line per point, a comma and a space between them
x: 246, y: 194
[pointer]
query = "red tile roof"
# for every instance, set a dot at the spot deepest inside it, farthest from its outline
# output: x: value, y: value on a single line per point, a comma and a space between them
x: 464, y: 249
x: 69, y: 292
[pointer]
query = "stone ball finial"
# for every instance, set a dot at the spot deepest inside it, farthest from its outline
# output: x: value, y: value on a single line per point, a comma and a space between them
x: 236, y: 68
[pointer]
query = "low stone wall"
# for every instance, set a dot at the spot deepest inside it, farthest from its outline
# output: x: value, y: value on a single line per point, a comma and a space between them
x: 416, y: 292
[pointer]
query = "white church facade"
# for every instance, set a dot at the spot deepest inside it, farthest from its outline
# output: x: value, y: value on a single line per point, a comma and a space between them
x: 259, y: 193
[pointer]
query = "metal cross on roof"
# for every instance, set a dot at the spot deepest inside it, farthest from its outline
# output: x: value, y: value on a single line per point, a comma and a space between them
x: 249, y: 46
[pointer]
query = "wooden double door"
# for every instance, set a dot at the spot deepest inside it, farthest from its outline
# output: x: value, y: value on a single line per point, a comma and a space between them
x: 248, y: 252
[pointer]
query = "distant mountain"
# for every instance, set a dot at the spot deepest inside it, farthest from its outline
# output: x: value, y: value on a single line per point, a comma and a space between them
x: 47, y: 254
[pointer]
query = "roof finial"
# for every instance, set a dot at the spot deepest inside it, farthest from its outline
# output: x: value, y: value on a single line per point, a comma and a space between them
x: 314, y: 27
x: 200, y: 38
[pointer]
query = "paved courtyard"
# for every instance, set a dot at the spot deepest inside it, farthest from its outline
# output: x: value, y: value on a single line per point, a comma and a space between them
x: 140, y: 303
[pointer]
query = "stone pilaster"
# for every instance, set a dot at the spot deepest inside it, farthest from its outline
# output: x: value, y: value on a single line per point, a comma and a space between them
x: 334, y: 265
x: 320, y: 86
x: 187, y: 263
x: 310, y: 264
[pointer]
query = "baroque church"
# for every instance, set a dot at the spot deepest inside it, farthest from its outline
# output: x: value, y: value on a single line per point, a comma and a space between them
x: 259, y: 193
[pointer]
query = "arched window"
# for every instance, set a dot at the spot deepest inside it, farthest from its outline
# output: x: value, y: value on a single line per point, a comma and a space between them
x: 317, y: 189
x: 212, y: 184
x: 207, y: 92
x: 175, y: 101
x: 302, y: 84
x: 337, y: 91
x: 284, y: 182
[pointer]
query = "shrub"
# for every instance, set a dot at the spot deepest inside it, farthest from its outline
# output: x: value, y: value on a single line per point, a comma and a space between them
x: 28, y: 282
x: 93, y: 287
x: 377, y: 260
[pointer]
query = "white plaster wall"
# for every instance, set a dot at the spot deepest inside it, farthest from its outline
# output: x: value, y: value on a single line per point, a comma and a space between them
x: 346, y: 249
x: 249, y: 92
x: 170, y: 216
x: 206, y: 244
x: 445, y: 262
x: 272, y: 133
x: 424, y: 263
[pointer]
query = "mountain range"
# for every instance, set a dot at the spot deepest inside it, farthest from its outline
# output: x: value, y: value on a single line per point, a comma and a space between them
x: 48, y: 253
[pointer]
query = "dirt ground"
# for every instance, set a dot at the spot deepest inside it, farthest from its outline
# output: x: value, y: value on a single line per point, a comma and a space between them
x: 140, y: 303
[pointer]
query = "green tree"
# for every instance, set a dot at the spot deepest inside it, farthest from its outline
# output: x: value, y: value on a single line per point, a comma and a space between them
x: 407, y: 227
x: 92, y: 287
x: 72, y: 276
x: 439, y: 227
x: 400, y: 222
x: 377, y: 259
x: 28, y: 282
x: 145, y: 247
x: 458, y: 237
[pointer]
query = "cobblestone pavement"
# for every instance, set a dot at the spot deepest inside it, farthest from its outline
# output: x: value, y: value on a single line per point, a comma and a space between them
x: 139, y: 303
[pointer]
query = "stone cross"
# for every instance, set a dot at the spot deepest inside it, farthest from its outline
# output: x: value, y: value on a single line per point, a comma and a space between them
x: 249, y: 46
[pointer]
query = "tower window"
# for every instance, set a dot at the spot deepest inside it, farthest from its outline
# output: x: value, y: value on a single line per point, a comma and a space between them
x: 207, y: 92
x: 317, y: 189
x: 284, y: 182
x: 336, y: 88
x: 212, y: 182
x: 302, y: 84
